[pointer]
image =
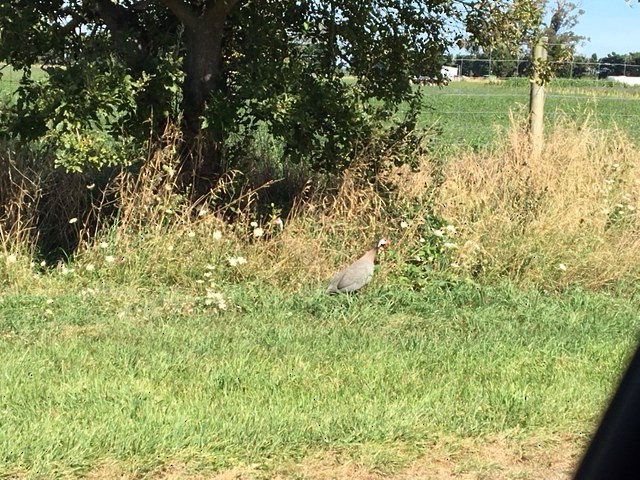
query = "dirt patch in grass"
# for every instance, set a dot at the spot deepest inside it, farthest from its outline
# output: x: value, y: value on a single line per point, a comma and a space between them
x: 497, y: 458
x: 469, y: 459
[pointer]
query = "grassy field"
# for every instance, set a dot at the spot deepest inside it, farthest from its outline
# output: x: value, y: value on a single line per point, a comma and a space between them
x: 176, y: 344
x: 475, y: 114
x: 139, y: 378
x: 10, y: 78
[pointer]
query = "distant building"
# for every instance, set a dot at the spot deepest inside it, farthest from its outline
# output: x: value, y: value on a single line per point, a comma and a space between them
x: 450, y: 73
x: 625, y: 80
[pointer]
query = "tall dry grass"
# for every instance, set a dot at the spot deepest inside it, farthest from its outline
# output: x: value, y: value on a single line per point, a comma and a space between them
x: 19, y: 198
x: 567, y: 217
x: 38, y: 203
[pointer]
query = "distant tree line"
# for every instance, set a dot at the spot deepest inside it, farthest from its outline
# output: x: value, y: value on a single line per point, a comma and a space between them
x: 561, y: 17
x: 501, y: 64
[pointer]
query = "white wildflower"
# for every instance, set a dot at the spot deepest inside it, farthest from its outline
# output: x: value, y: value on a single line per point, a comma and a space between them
x: 403, y: 224
x: 450, y: 229
x: 48, y: 312
x: 258, y: 232
x: 562, y: 267
x: 438, y: 233
x: 91, y: 187
x: 191, y: 234
x: 217, y: 299
x: 254, y: 224
x: 109, y: 259
x: 235, y: 261
x: 11, y: 258
x: 217, y: 235
x: 103, y: 245
x: 73, y: 220
x: 90, y: 267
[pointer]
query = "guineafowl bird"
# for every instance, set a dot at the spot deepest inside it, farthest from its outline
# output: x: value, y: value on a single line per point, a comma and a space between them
x: 356, y: 275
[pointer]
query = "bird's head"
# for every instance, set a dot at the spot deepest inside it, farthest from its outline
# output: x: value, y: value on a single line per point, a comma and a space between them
x: 383, y: 242
x: 278, y: 223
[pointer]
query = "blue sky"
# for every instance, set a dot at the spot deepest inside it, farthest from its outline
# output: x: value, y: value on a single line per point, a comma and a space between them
x: 612, y: 26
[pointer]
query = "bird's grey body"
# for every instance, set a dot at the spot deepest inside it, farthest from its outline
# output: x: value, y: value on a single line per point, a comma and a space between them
x: 356, y: 275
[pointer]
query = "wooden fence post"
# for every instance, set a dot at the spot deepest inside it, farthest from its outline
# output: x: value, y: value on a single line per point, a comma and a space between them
x: 536, y: 97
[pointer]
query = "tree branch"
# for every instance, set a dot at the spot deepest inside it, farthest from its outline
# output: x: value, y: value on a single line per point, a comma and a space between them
x: 115, y: 16
x: 215, y: 11
x: 70, y: 26
x: 182, y: 10
x: 220, y: 9
x: 141, y: 4
x: 130, y: 39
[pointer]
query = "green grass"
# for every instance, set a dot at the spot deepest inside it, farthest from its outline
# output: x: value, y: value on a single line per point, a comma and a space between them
x: 10, y: 79
x: 476, y: 115
x: 95, y: 372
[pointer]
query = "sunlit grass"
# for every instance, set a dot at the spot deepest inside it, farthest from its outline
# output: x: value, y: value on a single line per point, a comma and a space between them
x: 476, y: 115
x: 146, y: 376
x: 567, y: 217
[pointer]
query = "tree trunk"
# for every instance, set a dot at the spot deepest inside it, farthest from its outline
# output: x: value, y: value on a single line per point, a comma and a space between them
x: 202, y: 65
x: 203, y: 74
